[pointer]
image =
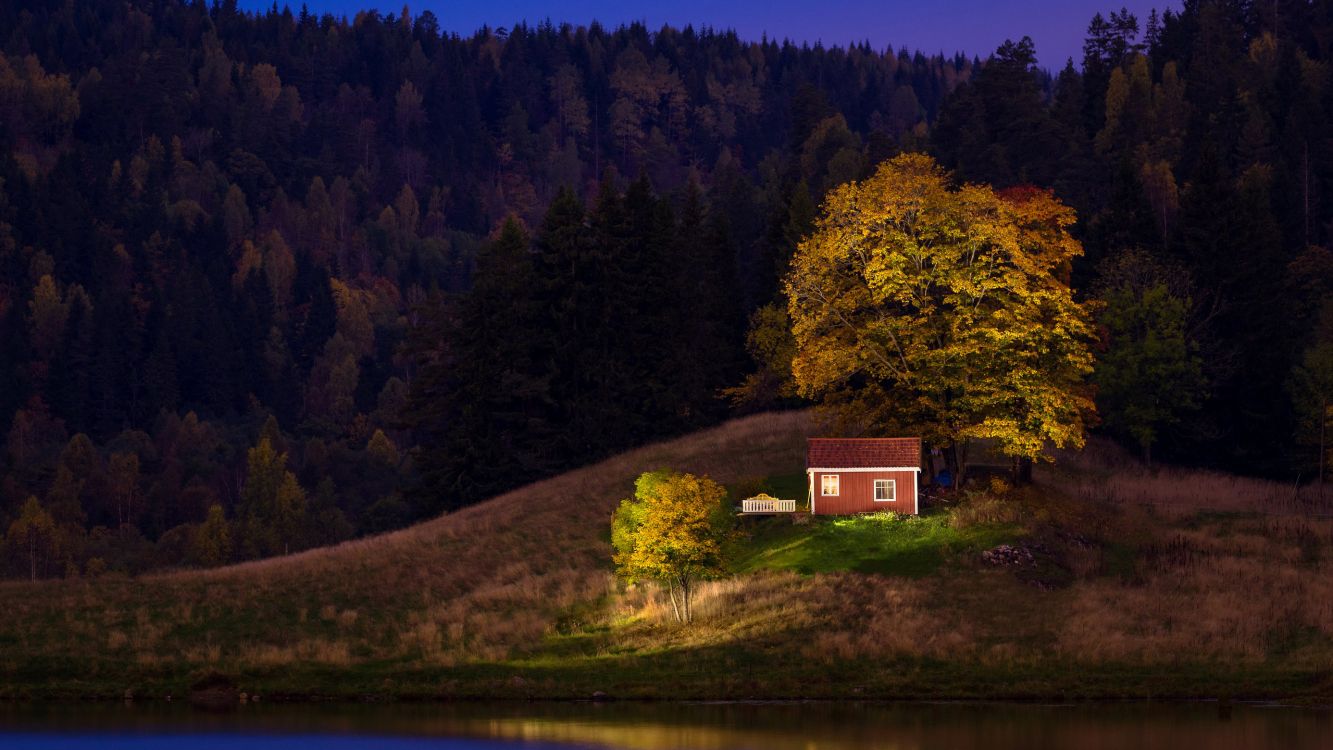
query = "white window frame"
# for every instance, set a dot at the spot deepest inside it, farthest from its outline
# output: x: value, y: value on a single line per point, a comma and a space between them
x: 892, y: 485
x: 824, y: 485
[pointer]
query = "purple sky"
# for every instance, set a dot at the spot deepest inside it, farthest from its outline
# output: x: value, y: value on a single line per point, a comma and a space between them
x: 975, y: 27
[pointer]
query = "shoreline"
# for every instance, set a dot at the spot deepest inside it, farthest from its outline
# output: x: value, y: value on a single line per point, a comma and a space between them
x: 419, y: 701
x: 575, y: 695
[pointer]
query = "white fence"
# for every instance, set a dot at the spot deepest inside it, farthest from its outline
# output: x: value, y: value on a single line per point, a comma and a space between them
x: 755, y: 505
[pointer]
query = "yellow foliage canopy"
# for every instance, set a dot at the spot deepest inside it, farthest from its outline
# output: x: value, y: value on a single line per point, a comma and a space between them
x: 672, y: 530
x: 945, y: 309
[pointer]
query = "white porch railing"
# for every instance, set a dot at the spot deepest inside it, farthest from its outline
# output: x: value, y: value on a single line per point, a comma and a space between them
x: 755, y: 505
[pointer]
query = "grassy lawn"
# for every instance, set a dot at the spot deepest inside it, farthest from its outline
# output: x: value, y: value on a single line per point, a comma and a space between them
x: 882, y: 543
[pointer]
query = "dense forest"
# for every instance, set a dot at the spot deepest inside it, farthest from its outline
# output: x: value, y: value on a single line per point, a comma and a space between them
x: 270, y: 281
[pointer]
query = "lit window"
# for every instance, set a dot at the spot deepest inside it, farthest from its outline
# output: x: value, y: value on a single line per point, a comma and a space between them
x: 829, y: 484
x: 885, y: 490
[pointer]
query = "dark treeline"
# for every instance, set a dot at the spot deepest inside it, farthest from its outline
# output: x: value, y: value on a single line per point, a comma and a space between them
x: 234, y: 247
x: 1197, y: 149
x: 270, y: 281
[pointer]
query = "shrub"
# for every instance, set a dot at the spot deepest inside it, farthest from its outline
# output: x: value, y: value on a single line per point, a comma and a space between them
x: 992, y: 506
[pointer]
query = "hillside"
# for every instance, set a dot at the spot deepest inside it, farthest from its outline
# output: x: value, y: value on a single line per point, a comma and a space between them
x: 484, y: 583
x: 513, y: 598
x: 215, y: 223
x: 427, y: 264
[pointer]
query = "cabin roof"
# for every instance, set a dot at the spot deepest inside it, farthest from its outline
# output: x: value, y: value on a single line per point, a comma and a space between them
x: 863, y: 453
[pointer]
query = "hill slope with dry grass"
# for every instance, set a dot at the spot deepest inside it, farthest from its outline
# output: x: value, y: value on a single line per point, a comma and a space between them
x: 1220, y: 589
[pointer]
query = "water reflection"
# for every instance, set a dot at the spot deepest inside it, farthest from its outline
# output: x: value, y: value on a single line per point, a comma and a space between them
x: 252, y: 742
x: 637, y: 726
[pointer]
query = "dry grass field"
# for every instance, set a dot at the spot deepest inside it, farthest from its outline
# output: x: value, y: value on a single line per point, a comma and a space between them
x: 1143, y: 584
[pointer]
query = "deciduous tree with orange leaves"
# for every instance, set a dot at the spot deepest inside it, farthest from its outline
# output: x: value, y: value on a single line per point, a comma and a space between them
x: 918, y: 305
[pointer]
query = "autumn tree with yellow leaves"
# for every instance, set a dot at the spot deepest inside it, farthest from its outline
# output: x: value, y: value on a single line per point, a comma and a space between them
x: 34, y: 534
x: 917, y: 305
x: 672, y: 531
x: 273, y: 503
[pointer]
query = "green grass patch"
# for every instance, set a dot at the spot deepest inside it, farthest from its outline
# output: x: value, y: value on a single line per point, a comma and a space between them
x: 881, y: 543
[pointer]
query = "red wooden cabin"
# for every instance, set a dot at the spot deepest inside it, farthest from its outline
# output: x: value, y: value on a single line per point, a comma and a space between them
x: 863, y: 475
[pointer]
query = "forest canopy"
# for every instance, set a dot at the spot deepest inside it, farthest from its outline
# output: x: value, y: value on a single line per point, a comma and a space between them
x: 273, y: 280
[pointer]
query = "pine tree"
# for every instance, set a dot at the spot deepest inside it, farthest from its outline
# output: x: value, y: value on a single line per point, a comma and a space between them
x: 604, y: 417
x: 572, y: 266
x: 320, y: 321
x: 707, y: 330
x: 479, y: 405
x: 70, y: 385
x: 996, y: 129
x: 644, y: 316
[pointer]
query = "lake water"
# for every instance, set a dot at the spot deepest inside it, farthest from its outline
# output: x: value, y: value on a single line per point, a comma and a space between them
x: 690, y: 726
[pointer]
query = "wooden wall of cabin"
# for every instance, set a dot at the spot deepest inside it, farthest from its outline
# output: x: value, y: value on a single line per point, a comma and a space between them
x: 856, y: 493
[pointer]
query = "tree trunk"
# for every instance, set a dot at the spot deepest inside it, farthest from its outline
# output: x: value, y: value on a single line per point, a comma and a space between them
x: 671, y: 591
x: 960, y: 463
x: 1323, y: 430
x: 685, y: 596
x: 950, y: 458
x: 1022, y: 471
x: 1305, y: 180
x: 1147, y: 455
x: 32, y: 555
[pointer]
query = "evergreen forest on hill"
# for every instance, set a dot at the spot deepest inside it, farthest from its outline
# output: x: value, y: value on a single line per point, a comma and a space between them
x: 271, y: 281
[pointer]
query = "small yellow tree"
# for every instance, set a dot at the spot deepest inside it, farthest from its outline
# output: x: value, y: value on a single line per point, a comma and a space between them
x: 672, y: 531
x: 212, y: 540
x: 382, y: 448
x: 918, y: 305
x: 34, y: 533
x: 273, y: 503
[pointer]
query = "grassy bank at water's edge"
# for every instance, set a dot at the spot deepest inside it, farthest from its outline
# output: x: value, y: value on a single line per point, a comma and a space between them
x: 514, y: 598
